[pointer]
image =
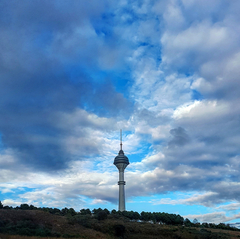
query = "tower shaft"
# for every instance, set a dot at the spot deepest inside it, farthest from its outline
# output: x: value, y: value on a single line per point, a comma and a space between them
x: 121, y: 183
x: 121, y: 204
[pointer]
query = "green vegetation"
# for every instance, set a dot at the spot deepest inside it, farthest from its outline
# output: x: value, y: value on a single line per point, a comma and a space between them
x: 67, y: 223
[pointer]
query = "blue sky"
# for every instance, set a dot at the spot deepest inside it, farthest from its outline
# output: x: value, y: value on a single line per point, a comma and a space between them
x: 72, y: 74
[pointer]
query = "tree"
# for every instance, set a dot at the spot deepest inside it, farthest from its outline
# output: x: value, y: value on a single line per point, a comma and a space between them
x: 178, y: 220
x: 85, y: 211
x: 146, y: 216
x: 102, y: 215
x: 1, y: 205
x: 212, y: 225
x: 136, y: 216
x: 24, y: 206
x: 72, y: 212
x: 195, y: 221
x: 96, y: 211
x: 55, y: 211
x: 187, y: 222
x: 113, y: 212
x: 131, y: 215
x: 31, y: 207
x: 106, y: 210
x: 64, y: 211
x: 205, y: 224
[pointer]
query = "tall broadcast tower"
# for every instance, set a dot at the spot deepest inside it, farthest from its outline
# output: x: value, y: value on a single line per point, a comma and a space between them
x: 121, y: 162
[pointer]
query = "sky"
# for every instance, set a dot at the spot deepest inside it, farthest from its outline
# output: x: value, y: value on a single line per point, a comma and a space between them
x: 166, y: 72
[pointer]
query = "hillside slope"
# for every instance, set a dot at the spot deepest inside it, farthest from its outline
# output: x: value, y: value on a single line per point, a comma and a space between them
x: 40, y: 223
x: 44, y: 223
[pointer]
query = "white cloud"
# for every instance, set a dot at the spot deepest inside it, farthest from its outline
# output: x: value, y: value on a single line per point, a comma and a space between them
x: 98, y: 201
x: 215, y: 217
x: 10, y: 202
x: 229, y: 207
x: 203, y: 111
x: 195, y: 199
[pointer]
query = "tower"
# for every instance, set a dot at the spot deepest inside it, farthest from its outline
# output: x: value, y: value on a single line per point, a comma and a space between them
x: 121, y: 162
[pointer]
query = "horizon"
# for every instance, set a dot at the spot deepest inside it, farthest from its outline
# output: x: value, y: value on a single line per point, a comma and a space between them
x: 165, y: 72
x: 93, y: 211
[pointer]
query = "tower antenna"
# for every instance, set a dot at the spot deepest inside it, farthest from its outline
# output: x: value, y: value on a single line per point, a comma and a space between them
x: 120, y: 139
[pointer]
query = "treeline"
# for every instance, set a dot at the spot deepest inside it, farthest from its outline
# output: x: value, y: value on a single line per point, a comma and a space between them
x: 102, y: 214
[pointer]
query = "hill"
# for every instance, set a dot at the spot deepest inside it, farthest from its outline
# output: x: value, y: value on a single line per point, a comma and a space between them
x: 40, y: 223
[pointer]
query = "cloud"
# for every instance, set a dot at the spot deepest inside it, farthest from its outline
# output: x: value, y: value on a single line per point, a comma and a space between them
x: 72, y: 188
x: 180, y: 137
x: 199, y: 199
x: 10, y: 202
x: 98, y: 201
x: 41, y: 79
x: 229, y: 207
x: 215, y: 217
x: 73, y: 75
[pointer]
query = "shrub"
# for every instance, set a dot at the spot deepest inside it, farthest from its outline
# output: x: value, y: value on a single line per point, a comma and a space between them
x: 119, y: 230
x: 102, y: 215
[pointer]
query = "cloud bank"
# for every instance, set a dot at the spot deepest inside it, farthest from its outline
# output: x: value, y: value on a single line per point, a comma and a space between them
x: 166, y: 72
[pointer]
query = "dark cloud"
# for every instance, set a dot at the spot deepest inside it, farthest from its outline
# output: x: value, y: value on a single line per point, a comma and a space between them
x: 29, y: 119
x: 30, y: 115
x: 151, y: 118
x: 105, y: 101
x: 180, y: 137
x: 45, y: 67
x: 57, y: 14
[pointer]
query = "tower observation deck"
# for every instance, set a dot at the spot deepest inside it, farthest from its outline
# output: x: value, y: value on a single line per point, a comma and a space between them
x: 121, y: 162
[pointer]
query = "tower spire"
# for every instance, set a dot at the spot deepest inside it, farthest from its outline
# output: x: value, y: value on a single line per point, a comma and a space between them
x: 120, y: 139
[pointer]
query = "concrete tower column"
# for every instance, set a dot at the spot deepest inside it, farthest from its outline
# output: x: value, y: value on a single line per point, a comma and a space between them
x: 121, y: 183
